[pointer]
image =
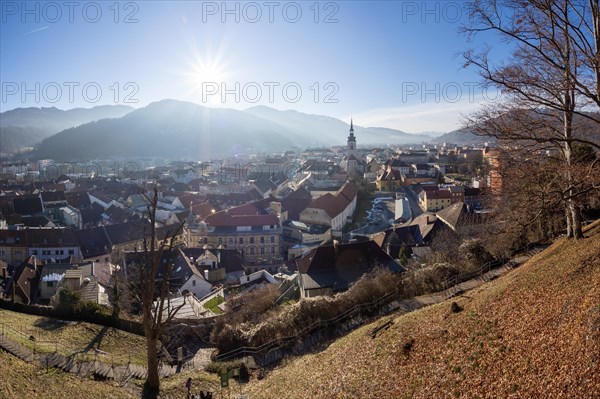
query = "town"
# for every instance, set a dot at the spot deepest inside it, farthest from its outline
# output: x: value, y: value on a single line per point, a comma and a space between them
x: 265, y: 200
x: 242, y: 223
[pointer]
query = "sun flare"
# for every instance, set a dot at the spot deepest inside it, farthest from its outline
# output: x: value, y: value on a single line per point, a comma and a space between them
x: 213, y: 73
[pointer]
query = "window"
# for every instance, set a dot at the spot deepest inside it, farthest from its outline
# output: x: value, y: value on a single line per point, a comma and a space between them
x: 220, y: 240
x: 230, y: 240
x: 34, y: 252
x: 262, y: 240
x: 272, y: 239
x: 251, y: 240
x: 50, y: 283
x: 205, y: 240
x: 262, y: 250
x: 194, y: 283
x: 272, y: 250
x: 241, y: 240
x: 71, y: 252
x: 251, y: 251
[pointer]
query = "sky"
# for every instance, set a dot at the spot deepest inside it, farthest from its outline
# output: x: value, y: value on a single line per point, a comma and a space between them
x: 393, y: 64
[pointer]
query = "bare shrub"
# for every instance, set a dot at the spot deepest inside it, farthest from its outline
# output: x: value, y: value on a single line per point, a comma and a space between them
x: 258, y: 325
x: 473, y: 255
x: 428, y: 279
x: 246, y: 308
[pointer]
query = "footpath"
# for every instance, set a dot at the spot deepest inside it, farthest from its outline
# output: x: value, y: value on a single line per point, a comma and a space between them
x: 408, y: 305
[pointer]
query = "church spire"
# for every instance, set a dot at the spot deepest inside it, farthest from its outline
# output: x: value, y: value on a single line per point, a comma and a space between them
x: 351, y: 148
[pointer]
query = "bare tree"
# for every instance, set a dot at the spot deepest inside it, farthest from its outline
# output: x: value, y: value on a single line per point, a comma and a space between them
x: 158, y: 250
x: 531, y: 206
x: 551, y: 82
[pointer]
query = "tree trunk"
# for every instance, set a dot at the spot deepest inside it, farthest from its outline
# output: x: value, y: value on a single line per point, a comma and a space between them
x: 543, y: 226
x: 568, y: 218
x: 152, y: 385
x: 575, y: 211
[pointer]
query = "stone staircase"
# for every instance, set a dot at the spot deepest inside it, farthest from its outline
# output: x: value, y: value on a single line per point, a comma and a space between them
x: 71, y: 364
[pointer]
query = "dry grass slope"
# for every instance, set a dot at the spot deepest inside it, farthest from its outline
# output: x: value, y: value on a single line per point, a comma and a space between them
x: 19, y: 379
x: 24, y: 380
x: 532, y: 333
x: 75, y: 336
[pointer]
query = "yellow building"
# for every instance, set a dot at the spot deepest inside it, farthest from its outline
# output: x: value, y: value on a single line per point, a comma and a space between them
x: 389, y: 180
x: 436, y: 200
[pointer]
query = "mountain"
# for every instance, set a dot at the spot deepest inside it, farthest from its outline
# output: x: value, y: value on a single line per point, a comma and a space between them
x: 532, y: 333
x: 332, y: 131
x: 22, y: 127
x: 462, y: 137
x: 172, y: 129
x: 431, y: 133
x: 178, y: 129
x: 583, y: 127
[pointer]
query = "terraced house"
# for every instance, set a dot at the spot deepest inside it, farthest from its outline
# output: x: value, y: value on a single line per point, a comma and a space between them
x: 44, y: 243
x: 253, y: 229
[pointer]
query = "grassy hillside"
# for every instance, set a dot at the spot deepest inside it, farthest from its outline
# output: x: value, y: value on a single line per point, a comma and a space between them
x: 24, y: 380
x: 73, y: 336
x: 19, y: 379
x: 532, y: 333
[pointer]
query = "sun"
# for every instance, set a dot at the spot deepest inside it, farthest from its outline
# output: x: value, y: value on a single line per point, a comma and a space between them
x: 206, y: 68
x: 209, y: 73
x: 206, y: 74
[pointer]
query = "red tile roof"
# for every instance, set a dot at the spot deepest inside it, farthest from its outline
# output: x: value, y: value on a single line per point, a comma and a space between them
x: 202, y: 210
x: 244, y: 215
x: 334, y: 205
x: 349, y: 190
x: 296, y: 202
x: 439, y: 194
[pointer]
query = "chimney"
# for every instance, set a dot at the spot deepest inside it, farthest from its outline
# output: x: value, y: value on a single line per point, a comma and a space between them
x: 427, y: 219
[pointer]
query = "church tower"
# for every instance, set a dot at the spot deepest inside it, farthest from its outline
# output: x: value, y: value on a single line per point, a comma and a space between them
x: 351, y: 140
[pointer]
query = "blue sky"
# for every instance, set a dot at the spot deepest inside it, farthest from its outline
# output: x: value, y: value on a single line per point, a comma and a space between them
x: 386, y: 63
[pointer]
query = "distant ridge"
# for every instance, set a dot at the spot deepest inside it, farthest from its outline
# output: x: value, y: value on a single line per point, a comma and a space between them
x: 179, y: 129
x: 22, y: 127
